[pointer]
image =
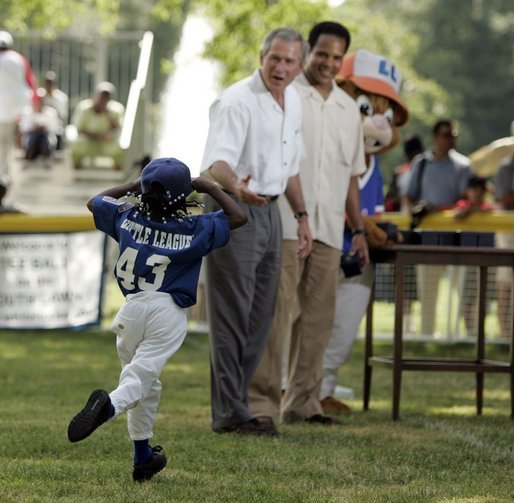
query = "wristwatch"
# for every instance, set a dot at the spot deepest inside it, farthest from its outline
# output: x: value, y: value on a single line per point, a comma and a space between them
x: 300, y: 214
x: 356, y: 232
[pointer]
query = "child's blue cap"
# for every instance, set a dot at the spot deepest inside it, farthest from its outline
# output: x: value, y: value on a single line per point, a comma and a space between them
x: 171, y: 173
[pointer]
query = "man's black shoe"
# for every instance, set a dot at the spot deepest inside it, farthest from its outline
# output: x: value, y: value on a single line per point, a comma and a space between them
x: 145, y: 472
x: 321, y: 419
x: 252, y: 427
x: 94, y: 414
x: 267, y: 425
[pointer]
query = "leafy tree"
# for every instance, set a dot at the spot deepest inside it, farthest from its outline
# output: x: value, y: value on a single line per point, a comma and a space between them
x: 465, y: 49
x: 456, y: 57
x: 240, y: 26
x: 164, y: 18
x: 468, y: 47
x: 376, y: 27
x: 51, y: 16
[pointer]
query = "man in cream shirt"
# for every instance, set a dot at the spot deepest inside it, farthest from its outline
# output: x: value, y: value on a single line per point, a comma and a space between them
x: 332, y: 132
x: 253, y: 150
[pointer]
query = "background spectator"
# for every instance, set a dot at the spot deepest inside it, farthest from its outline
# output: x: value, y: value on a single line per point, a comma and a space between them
x: 17, y: 89
x: 474, y: 201
x: 38, y: 127
x: 504, y: 195
x: 98, y: 122
x: 53, y: 97
x: 395, y: 199
x: 438, y: 179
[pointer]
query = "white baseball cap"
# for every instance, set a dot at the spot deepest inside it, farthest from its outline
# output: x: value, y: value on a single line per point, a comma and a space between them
x: 6, y: 40
x: 375, y: 74
x: 105, y: 87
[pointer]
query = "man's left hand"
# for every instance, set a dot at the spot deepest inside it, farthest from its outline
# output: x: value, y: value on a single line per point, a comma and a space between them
x: 360, y: 246
x: 304, y: 239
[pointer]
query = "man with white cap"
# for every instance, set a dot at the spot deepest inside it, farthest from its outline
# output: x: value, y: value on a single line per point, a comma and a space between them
x: 17, y: 89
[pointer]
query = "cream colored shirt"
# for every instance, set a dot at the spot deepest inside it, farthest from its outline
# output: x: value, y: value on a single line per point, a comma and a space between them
x: 254, y: 136
x: 334, y: 146
x: 85, y: 117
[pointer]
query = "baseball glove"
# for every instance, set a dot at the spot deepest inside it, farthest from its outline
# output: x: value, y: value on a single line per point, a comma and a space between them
x: 380, y: 234
x: 375, y: 236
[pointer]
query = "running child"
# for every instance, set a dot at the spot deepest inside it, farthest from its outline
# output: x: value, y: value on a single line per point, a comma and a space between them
x: 160, y: 252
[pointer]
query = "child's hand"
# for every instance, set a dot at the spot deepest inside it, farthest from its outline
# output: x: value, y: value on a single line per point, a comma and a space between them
x: 136, y: 186
x: 202, y: 185
x: 462, y: 213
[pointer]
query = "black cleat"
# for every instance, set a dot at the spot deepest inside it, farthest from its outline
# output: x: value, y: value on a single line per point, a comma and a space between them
x: 95, y: 413
x: 145, y: 472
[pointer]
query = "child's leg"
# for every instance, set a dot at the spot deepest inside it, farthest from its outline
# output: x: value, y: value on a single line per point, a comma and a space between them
x: 165, y: 327
x: 141, y: 417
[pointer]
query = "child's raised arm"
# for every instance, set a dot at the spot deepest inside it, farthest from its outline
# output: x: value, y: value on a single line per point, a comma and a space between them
x: 235, y: 215
x: 118, y: 191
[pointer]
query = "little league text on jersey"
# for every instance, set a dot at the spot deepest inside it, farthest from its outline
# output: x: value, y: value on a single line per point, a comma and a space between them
x: 155, y: 237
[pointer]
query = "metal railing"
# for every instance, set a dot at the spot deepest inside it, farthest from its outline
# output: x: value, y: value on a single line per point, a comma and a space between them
x: 135, y: 137
x: 80, y: 62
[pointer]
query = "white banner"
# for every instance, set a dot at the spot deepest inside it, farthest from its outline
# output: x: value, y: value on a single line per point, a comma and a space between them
x: 51, y: 280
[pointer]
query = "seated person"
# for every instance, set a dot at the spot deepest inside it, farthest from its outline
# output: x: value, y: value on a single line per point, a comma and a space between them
x: 475, y: 201
x: 98, y: 122
x: 55, y: 98
x: 38, y: 126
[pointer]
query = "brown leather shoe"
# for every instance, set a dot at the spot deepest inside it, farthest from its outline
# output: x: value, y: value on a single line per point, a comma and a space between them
x: 332, y: 406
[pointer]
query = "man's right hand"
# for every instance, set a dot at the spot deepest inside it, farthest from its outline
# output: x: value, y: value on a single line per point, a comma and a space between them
x: 243, y: 193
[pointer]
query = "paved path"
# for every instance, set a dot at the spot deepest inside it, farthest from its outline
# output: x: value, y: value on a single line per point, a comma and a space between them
x: 58, y: 189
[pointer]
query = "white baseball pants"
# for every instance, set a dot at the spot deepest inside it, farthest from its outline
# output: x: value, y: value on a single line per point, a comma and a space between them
x: 351, y: 303
x: 7, y: 140
x: 150, y: 328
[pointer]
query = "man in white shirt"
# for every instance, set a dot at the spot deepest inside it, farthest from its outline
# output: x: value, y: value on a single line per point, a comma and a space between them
x: 17, y: 89
x: 38, y: 127
x: 57, y: 99
x: 332, y: 132
x: 253, y: 150
x: 98, y: 121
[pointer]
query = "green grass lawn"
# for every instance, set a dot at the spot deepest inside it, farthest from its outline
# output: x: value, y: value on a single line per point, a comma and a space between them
x: 439, y: 451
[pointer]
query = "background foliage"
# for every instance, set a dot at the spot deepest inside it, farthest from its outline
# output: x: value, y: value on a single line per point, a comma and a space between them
x: 456, y: 56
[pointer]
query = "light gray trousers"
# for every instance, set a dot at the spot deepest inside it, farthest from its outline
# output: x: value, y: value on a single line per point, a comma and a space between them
x: 242, y: 283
